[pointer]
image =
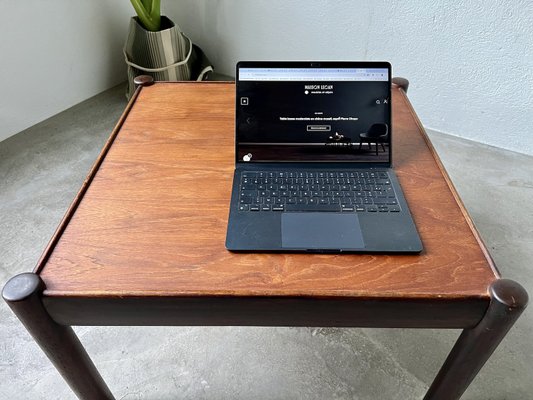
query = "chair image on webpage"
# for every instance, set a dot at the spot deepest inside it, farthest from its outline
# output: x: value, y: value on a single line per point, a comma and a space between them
x: 378, y: 133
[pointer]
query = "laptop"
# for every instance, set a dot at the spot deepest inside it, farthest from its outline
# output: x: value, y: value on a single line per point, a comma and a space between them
x: 313, y: 161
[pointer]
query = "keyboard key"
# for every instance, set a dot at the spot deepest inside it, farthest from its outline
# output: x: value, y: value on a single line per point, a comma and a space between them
x: 381, y: 201
x: 315, y: 207
x: 243, y: 207
x: 254, y: 207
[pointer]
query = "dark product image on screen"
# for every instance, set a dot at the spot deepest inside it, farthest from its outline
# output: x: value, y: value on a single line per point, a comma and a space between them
x: 313, y: 114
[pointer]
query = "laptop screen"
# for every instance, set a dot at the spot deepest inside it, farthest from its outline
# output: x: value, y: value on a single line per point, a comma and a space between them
x: 313, y: 112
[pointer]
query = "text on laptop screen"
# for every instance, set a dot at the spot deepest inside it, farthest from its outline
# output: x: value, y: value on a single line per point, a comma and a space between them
x: 313, y: 114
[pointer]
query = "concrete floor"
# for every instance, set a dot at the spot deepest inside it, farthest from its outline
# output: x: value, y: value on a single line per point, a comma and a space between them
x: 41, y: 170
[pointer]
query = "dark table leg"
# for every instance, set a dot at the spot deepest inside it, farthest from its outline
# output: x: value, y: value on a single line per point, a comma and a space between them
x: 475, y: 345
x: 23, y: 294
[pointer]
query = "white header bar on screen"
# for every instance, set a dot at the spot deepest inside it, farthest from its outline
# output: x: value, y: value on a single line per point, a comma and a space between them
x: 313, y: 74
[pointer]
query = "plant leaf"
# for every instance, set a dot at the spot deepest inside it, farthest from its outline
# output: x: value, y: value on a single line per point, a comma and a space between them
x: 146, y: 19
x: 155, y: 10
x: 147, y: 5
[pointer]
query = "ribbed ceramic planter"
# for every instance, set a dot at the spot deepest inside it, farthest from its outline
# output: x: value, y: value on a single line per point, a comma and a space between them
x: 164, y: 55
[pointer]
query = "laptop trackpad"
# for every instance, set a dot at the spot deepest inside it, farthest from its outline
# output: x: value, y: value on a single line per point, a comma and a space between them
x: 321, y: 230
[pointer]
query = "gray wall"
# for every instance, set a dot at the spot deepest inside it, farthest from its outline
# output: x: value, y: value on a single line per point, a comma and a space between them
x: 469, y: 62
x: 54, y: 54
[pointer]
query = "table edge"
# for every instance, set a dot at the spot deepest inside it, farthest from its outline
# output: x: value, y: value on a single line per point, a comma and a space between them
x: 267, y: 311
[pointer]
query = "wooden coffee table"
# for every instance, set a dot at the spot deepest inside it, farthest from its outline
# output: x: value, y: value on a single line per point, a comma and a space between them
x: 143, y: 244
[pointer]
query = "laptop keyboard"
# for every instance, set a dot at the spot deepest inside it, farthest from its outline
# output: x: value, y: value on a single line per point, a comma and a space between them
x: 346, y: 191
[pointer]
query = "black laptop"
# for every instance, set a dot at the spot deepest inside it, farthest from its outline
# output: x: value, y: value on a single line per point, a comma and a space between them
x: 313, y: 160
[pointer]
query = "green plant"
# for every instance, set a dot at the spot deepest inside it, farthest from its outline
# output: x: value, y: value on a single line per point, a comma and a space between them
x: 149, y: 13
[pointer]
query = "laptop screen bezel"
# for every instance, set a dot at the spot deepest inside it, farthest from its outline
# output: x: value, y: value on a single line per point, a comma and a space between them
x: 314, y: 64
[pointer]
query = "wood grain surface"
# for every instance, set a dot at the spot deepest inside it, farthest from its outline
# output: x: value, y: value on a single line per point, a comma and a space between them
x: 152, y: 220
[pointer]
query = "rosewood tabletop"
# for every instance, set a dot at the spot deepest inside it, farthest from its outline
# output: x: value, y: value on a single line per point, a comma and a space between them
x: 151, y: 219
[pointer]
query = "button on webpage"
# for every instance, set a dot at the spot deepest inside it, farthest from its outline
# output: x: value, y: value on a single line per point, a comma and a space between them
x: 318, y: 128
